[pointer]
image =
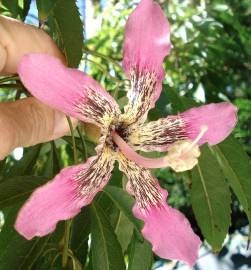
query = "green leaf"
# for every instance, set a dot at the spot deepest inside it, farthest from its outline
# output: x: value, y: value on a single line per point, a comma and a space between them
x: 76, y: 264
x: 2, y: 166
x: 26, y: 7
x: 179, y: 103
x: 140, y: 255
x: 211, y: 199
x: 81, y: 228
x: 236, y: 167
x: 106, y: 251
x: 124, y: 202
x: 53, y: 165
x: 44, y: 8
x: 70, y: 30
x: 12, y: 6
x: 124, y: 230
x: 17, y: 189
x: 26, y: 165
x: 16, y: 252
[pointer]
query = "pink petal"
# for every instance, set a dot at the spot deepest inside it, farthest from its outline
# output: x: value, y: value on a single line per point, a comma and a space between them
x: 63, y: 197
x: 63, y: 88
x: 220, y: 118
x: 169, y: 232
x: 165, y: 228
x: 158, y: 135
x: 147, y: 41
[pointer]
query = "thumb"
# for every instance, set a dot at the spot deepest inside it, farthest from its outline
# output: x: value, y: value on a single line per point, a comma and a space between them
x: 27, y: 122
x: 18, y: 39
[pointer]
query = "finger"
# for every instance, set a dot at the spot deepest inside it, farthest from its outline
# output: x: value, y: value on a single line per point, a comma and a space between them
x: 18, y: 39
x: 27, y: 122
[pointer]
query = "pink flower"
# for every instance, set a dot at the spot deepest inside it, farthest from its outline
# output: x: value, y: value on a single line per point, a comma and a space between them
x: 147, y: 42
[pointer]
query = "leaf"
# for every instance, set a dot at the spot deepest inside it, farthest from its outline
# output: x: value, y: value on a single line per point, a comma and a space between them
x: 76, y: 264
x: 105, y: 202
x: 53, y: 165
x: 16, y: 252
x: 44, y: 8
x: 211, y: 199
x: 161, y: 108
x: 12, y: 6
x: 70, y: 30
x: 26, y: 164
x: 26, y: 7
x: 124, y: 202
x: 106, y: 251
x: 124, y: 230
x: 17, y: 189
x: 2, y: 166
x: 174, y: 99
x: 140, y: 255
x: 81, y: 229
x: 236, y: 167
x: 179, y: 103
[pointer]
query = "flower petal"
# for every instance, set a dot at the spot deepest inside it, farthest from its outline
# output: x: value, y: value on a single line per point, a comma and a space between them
x: 169, y: 232
x: 141, y: 183
x: 147, y: 42
x: 165, y: 228
x: 220, y: 119
x: 66, y: 89
x: 157, y: 135
x: 64, y: 196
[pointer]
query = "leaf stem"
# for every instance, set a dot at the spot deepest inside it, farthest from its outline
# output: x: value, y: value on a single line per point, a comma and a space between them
x: 9, y: 78
x: 100, y: 67
x: 107, y: 58
x: 67, y: 230
x: 83, y: 143
x: 12, y: 85
x: 74, y: 148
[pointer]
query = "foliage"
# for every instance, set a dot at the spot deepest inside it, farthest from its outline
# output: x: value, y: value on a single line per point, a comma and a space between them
x: 209, y: 62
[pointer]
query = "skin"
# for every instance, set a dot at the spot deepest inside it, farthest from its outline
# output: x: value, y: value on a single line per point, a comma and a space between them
x: 27, y: 121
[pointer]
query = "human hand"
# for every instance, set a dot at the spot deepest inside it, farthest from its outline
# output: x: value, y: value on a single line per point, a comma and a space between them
x: 27, y: 121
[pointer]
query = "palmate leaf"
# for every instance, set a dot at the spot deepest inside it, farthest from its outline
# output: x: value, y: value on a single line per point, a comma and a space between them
x: 69, y: 29
x: 211, y: 199
x: 67, y: 24
x: 236, y: 167
x: 52, y: 166
x: 26, y: 165
x: 106, y: 251
x: 80, y: 230
x: 124, y: 202
x: 17, y: 189
x: 140, y: 254
x: 124, y: 230
x: 16, y: 252
x: 179, y: 104
x: 44, y: 8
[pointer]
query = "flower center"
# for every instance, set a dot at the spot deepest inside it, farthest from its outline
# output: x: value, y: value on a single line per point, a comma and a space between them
x: 121, y: 130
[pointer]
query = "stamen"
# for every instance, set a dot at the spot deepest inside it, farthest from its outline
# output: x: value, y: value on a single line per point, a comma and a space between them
x: 171, y: 160
x: 203, y: 130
